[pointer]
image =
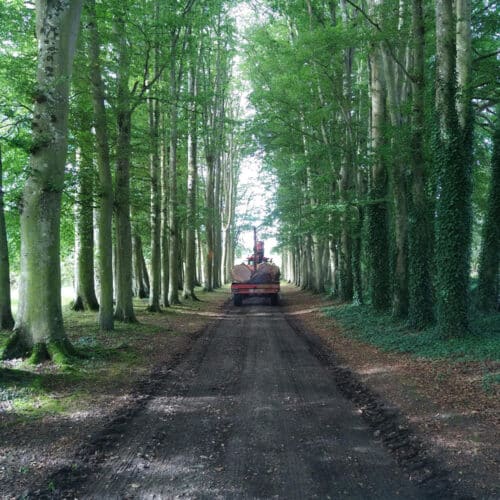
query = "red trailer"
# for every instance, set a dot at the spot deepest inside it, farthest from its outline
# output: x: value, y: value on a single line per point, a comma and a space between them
x: 260, y: 277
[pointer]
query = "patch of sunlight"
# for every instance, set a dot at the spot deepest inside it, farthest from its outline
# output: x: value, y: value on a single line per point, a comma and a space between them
x: 190, y: 312
x: 379, y: 369
x: 303, y: 311
x: 462, y: 446
x: 172, y: 405
x: 362, y: 449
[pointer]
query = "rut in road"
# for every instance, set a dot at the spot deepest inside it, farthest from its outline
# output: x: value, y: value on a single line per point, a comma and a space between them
x: 248, y: 413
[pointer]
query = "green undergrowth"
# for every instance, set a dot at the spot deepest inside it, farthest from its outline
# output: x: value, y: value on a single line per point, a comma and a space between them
x: 381, y: 330
x: 104, y: 361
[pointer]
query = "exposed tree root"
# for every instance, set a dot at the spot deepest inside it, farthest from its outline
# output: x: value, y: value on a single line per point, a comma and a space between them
x: 191, y: 296
x: 125, y: 318
x: 6, y: 319
x: 77, y: 305
x: 60, y: 352
x: 154, y: 309
x: 15, y: 348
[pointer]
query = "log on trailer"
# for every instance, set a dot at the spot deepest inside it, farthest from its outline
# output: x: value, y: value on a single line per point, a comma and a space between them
x: 259, y: 278
x: 241, y: 273
x: 266, y: 272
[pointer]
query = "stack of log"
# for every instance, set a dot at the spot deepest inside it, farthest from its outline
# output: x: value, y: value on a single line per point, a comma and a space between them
x: 241, y: 273
x: 266, y: 272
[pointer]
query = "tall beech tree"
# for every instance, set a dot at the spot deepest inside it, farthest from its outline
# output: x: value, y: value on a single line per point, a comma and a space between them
x: 420, y: 313
x: 124, y: 310
x: 155, y: 172
x: 489, y: 259
x: 81, y: 124
x: 453, y: 217
x: 377, y: 211
x: 105, y: 189
x: 39, y: 326
x: 192, y: 180
x: 6, y: 318
x: 84, y: 235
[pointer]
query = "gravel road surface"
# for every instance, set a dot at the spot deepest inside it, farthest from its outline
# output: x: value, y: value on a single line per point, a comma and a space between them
x: 249, y: 412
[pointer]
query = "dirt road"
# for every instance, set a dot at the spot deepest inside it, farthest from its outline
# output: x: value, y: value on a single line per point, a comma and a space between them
x: 249, y: 412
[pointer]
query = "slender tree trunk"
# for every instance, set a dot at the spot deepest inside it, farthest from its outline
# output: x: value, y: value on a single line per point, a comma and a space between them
x: 6, y: 318
x: 420, y: 312
x: 378, y: 232
x: 453, y: 214
x: 39, y: 326
x: 141, y: 287
x: 84, y: 237
x: 395, y: 99
x: 164, y: 225
x: 217, y: 263
x: 209, y: 224
x: 154, y: 121
x: 229, y: 213
x: 346, y: 181
x: 173, y: 284
x: 105, y: 188
x: 488, y: 285
x: 192, y: 187
x: 124, y: 306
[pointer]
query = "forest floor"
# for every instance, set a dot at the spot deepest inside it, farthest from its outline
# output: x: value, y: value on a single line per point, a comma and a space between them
x: 58, y: 427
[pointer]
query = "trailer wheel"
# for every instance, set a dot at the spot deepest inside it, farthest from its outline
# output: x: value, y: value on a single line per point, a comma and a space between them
x: 274, y: 299
x: 237, y: 299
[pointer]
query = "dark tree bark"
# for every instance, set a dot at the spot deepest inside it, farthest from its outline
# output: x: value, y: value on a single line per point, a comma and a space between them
x: 377, y: 212
x: 84, y: 237
x: 124, y: 310
x: 6, y: 318
x: 141, y: 288
x: 192, y: 186
x: 453, y: 208
x: 155, y: 171
x: 489, y: 260
x: 420, y: 312
x: 104, y: 190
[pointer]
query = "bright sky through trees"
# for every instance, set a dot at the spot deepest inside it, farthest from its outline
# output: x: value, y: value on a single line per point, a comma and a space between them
x: 255, y: 202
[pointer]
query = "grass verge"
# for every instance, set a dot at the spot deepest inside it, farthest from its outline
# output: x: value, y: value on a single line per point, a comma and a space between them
x: 109, y: 362
x: 381, y: 330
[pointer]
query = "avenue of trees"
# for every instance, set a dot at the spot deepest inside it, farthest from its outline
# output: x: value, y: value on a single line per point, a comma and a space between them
x: 119, y: 142
x: 379, y: 121
x: 121, y: 138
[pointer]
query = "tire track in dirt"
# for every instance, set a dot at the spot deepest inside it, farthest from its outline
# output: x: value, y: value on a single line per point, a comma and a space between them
x: 251, y: 411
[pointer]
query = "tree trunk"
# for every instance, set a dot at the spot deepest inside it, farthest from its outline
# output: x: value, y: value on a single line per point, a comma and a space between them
x: 39, y: 327
x: 453, y: 217
x: 377, y: 212
x: 173, y: 283
x: 192, y: 186
x: 165, y: 267
x: 84, y: 237
x: 209, y: 224
x: 124, y: 306
x: 395, y: 98
x: 105, y: 188
x: 217, y: 263
x: 489, y: 258
x: 154, y: 126
x: 420, y: 312
x: 346, y: 182
x: 140, y: 285
x: 6, y: 318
